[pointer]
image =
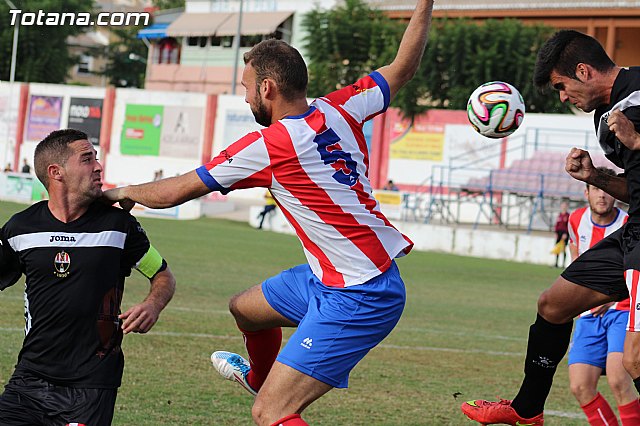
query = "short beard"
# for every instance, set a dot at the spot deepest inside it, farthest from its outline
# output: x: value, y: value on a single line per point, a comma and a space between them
x: 261, y: 114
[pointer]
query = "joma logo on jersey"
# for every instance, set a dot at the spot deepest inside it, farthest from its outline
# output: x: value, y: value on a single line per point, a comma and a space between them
x: 63, y: 238
x: 332, y: 154
x: 61, y: 264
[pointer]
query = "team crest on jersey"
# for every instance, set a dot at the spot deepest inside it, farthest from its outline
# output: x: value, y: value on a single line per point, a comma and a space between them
x: 61, y: 264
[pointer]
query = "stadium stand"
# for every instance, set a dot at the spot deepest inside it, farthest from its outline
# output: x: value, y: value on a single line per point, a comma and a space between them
x: 543, y: 174
x: 529, y: 190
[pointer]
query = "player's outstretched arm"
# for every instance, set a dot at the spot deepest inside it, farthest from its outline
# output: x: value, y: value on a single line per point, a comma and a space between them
x: 579, y: 166
x: 141, y: 317
x: 411, y: 49
x: 161, y: 194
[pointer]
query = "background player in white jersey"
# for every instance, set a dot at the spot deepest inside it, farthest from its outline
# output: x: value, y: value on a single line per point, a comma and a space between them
x: 598, y: 338
x: 75, y: 252
x: 314, y: 160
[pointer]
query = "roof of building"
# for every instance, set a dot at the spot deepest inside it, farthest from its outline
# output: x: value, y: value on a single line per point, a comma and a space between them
x: 507, y: 4
x: 89, y: 39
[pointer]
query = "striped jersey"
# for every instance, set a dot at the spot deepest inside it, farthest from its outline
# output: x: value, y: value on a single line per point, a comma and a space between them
x: 584, y: 234
x: 316, y: 166
x: 75, y: 275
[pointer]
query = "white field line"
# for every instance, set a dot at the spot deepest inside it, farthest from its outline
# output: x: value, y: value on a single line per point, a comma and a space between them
x: 199, y: 310
x: 563, y: 414
x: 382, y: 345
x: 458, y: 333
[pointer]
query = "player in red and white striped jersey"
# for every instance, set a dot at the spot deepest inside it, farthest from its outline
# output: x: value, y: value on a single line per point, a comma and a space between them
x: 314, y: 160
x: 590, y: 224
x: 598, y: 338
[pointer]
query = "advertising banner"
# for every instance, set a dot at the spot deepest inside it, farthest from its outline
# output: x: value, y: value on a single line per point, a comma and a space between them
x: 417, y: 142
x: 141, y: 130
x: 237, y: 123
x: 180, y: 136
x: 44, y: 116
x: 85, y: 114
x: 8, y: 115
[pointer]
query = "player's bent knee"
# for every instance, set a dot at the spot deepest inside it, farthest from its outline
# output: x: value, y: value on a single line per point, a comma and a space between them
x: 267, y: 408
x: 547, y: 308
x: 583, y: 392
x: 260, y: 414
x: 556, y: 308
x: 237, y: 312
x: 631, y: 358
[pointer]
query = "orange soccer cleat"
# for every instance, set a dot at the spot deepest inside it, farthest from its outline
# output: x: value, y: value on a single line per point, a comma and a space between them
x: 501, y: 412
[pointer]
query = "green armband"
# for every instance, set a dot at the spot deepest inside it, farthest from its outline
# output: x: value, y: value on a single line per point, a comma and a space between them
x: 150, y: 263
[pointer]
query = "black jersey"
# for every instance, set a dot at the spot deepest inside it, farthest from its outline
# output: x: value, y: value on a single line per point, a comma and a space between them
x: 75, y: 276
x: 625, y: 96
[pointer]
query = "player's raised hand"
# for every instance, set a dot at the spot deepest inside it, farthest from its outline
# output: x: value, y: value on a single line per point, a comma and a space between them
x: 579, y: 165
x: 624, y: 129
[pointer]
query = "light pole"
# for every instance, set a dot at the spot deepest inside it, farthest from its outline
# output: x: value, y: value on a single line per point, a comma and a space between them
x: 237, y: 50
x: 12, y: 77
x: 14, y: 49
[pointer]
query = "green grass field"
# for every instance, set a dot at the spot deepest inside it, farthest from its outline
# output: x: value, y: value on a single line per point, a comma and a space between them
x: 463, y: 332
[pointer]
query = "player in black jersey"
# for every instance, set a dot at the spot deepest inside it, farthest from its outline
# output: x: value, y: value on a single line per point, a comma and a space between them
x: 579, y: 69
x: 75, y: 252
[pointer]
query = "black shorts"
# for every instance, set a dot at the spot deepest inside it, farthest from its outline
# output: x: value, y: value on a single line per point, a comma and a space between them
x: 602, y: 268
x: 31, y: 401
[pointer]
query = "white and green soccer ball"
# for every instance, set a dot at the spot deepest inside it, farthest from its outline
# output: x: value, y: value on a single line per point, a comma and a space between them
x: 495, y: 109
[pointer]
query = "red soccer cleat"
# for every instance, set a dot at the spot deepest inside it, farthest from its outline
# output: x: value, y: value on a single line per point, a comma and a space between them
x: 489, y: 413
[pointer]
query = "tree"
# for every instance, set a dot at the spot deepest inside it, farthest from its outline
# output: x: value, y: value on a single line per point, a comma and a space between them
x: 126, y: 58
x: 351, y: 40
x: 344, y: 43
x: 42, y: 51
x: 168, y: 4
x: 462, y: 54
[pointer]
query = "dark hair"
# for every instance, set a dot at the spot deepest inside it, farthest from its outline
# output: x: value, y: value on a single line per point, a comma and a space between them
x: 564, y: 51
x: 606, y: 171
x: 277, y: 60
x: 54, y: 149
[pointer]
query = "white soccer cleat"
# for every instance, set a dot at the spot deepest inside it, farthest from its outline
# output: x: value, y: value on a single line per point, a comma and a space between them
x: 232, y: 367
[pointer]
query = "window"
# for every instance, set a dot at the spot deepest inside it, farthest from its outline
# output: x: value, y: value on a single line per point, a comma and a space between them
x: 85, y: 65
x: 166, y: 51
x: 224, y: 41
x: 250, y: 40
x: 197, y: 41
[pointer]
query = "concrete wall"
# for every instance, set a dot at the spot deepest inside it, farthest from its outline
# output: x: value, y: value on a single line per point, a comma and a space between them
x: 489, y: 244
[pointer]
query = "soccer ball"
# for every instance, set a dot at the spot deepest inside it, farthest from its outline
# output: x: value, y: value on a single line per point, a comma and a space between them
x: 495, y: 109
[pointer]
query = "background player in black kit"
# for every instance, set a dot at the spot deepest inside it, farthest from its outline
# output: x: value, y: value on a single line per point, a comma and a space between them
x: 577, y: 66
x: 75, y: 252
